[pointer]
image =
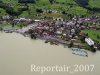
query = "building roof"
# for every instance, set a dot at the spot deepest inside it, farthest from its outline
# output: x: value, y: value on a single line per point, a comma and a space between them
x: 89, y: 41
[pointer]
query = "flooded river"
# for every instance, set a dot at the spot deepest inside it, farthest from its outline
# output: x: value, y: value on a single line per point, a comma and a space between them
x: 18, y: 53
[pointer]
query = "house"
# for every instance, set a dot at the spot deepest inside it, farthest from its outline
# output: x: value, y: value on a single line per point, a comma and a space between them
x: 6, y: 17
x: 22, y: 20
x: 26, y: 1
x: 89, y: 41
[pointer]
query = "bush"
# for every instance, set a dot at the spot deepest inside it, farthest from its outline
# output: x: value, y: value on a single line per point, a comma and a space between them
x: 98, y: 37
x: 50, y: 11
x: 82, y: 3
x: 13, y: 12
x: 26, y: 1
x: 23, y: 9
x: 51, y: 1
x: 82, y: 38
x: 64, y: 12
x: 10, y: 10
x: 92, y: 48
x: 1, y: 2
x: 39, y: 10
x: 2, y: 5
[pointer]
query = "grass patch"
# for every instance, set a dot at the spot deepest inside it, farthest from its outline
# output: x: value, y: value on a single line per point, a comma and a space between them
x: 93, y: 34
x: 63, y: 5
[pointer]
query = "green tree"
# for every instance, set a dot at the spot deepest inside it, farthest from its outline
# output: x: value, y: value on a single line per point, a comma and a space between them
x: 92, y: 48
x: 98, y: 37
x: 52, y: 1
x: 82, y: 3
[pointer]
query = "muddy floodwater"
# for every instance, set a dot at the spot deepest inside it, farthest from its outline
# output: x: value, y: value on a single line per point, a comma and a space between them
x: 18, y: 53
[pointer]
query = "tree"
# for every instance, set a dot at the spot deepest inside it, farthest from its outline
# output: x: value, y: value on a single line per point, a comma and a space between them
x: 39, y: 10
x: 87, y: 34
x: 92, y: 48
x: 1, y: 1
x: 82, y: 38
x: 52, y: 1
x: 26, y: 1
x: 13, y: 12
x: 64, y: 12
x: 82, y: 3
x: 98, y: 37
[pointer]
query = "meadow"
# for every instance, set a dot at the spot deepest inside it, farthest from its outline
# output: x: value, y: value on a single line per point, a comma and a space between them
x: 68, y: 6
x: 94, y: 34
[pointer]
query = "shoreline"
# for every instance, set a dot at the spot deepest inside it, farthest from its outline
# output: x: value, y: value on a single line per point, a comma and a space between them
x: 65, y: 33
x: 47, y: 39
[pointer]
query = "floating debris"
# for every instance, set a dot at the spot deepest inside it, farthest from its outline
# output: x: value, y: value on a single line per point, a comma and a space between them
x: 80, y: 52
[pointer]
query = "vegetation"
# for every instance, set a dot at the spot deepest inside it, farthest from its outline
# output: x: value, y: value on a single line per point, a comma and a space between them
x: 82, y: 3
x: 95, y: 35
x: 65, y: 7
x: 26, y: 1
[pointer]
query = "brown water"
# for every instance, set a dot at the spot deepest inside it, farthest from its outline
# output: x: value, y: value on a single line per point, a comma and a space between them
x: 17, y: 53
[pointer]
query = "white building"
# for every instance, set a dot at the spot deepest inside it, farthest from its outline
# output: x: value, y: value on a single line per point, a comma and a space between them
x: 89, y: 41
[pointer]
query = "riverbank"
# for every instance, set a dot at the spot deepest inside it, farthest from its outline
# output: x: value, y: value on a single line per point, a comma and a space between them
x: 9, y: 29
x: 58, y: 31
x: 52, y: 39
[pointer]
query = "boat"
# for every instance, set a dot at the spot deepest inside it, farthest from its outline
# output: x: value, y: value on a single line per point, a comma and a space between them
x: 80, y: 52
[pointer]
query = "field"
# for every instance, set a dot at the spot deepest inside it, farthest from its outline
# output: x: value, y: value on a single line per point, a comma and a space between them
x: 95, y: 35
x: 69, y: 6
x: 94, y: 3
